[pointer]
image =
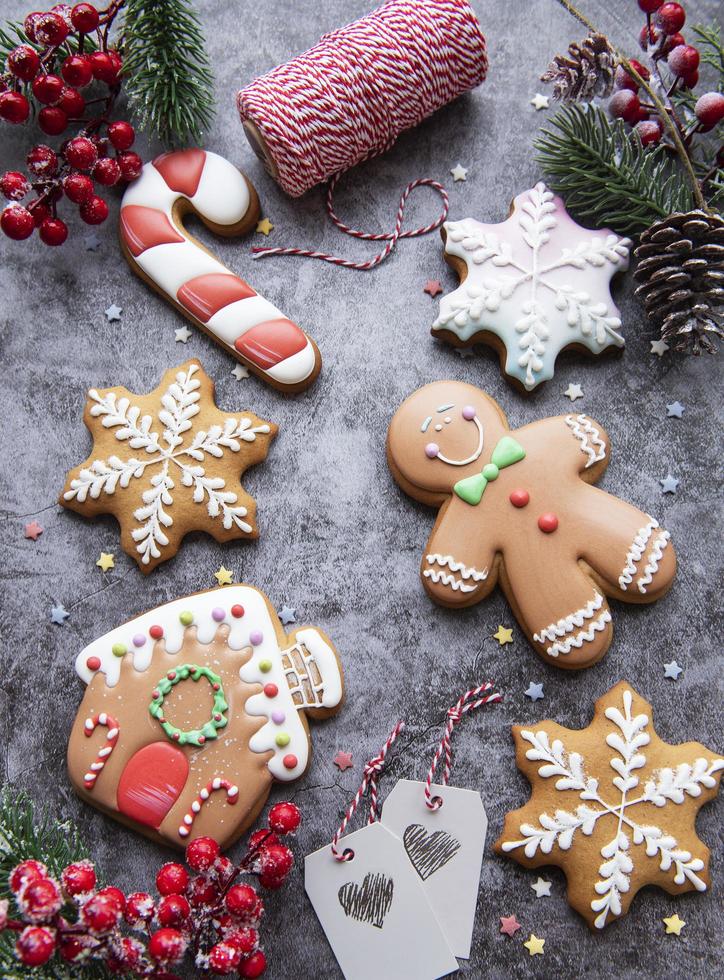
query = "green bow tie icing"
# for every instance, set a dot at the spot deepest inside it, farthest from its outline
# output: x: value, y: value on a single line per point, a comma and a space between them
x: 472, y: 488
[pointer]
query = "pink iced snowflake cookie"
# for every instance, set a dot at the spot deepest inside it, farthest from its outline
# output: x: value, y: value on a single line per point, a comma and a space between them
x: 532, y: 286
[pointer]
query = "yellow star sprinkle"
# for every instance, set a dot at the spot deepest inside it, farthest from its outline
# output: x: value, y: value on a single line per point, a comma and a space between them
x: 264, y: 226
x: 503, y: 636
x: 674, y: 925
x: 224, y: 576
x: 535, y: 945
x: 105, y: 561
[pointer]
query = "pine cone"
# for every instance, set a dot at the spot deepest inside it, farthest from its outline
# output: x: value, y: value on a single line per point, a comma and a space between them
x: 680, y: 265
x: 587, y: 71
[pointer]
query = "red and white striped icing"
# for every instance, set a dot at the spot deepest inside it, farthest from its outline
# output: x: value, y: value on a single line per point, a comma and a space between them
x: 232, y: 795
x: 230, y: 309
x: 109, y: 722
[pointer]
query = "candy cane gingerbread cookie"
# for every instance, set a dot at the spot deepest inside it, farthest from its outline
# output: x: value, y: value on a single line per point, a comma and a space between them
x: 208, y: 700
x: 517, y: 508
x: 163, y: 253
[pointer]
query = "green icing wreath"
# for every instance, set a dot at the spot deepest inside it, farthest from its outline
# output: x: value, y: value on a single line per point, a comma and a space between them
x: 210, y: 729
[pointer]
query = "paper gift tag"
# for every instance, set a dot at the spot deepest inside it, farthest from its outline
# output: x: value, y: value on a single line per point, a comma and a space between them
x: 374, y: 911
x: 445, y: 847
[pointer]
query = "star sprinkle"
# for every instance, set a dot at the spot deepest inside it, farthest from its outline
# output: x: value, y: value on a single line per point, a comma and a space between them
x: 264, y: 226
x: 33, y: 530
x: 459, y: 173
x: 669, y: 484
x: 113, y: 313
x: 58, y: 614
x: 540, y: 102
x: 288, y: 615
x: 573, y: 392
x: 432, y: 287
x: 674, y: 925
x: 509, y: 925
x: 673, y: 670
x: 503, y: 636
x: 224, y: 576
x: 534, y: 692
x: 659, y: 347
x: 675, y: 410
x: 542, y: 888
x: 105, y: 562
x: 535, y: 945
x: 182, y: 335
x: 240, y: 372
x: 92, y: 243
x: 343, y: 760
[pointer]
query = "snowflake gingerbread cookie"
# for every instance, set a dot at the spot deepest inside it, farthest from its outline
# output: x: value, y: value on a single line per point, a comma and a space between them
x: 532, y: 286
x: 613, y: 806
x: 167, y: 463
x: 193, y: 709
x: 517, y: 507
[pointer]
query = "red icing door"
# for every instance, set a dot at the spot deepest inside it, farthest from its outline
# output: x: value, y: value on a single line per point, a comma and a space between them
x: 151, y: 783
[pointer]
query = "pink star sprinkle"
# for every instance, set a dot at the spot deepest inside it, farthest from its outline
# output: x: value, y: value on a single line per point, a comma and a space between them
x: 33, y: 530
x: 343, y: 760
x: 509, y: 925
x: 432, y: 287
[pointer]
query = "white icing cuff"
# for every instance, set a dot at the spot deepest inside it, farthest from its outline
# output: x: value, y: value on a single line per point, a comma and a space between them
x: 232, y: 321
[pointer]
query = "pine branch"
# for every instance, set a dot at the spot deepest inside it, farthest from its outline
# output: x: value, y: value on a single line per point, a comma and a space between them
x: 711, y: 49
x: 166, y: 69
x: 606, y: 175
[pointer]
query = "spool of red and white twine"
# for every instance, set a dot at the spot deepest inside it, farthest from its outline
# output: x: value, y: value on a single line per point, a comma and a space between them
x: 350, y: 96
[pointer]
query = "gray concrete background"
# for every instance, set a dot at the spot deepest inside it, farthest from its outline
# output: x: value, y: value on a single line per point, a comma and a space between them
x: 339, y: 541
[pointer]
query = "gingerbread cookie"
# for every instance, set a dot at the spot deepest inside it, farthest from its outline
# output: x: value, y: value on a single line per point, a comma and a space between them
x: 167, y: 463
x: 193, y: 709
x: 532, y: 286
x: 613, y: 806
x: 516, y: 507
x: 162, y: 252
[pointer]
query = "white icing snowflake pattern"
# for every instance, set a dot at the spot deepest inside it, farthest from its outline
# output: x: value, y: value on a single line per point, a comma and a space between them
x: 166, y: 456
x: 663, y: 787
x: 538, y: 281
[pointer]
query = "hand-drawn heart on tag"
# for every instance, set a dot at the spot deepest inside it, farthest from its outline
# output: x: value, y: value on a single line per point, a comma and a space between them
x: 428, y: 852
x: 368, y: 902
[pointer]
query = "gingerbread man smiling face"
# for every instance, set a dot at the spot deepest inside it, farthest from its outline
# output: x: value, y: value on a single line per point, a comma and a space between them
x: 518, y: 508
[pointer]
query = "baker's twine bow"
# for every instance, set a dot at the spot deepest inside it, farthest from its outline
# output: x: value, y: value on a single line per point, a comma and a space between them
x: 370, y: 778
x: 472, y: 699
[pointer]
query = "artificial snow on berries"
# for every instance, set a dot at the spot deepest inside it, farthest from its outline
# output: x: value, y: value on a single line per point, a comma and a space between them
x: 100, y: 915
x: 23, y: 62
x: 35, y: 945
x: 243, y: 902
x: 78, y: 878
x: 140, y: 908
x: 40, y: 899
x: 14, y: 185
x: 24, y: 872
x: 201, y: 854
x: 173, y: 910
x: 17, y: 222
x: 14, y: 107
x: 167, y: 946
x: 254, y: 966
x: 172, y: 878
x: 284, y: 818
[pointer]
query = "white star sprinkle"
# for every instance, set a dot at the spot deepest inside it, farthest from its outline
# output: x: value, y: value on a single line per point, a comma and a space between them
x: 673, y: 670
x: 534, y: 692
x: 573, y: 392
x: 182, y: 335
x: 669, y: 484
x: 542, y: 888
x: 459, y: 173
x: 240, y: 372
x: 92, y: 243
x: 659, y: 347
x: 675, y: 410
x: 540, y: 102
x: 113, y: 313
x: 288, y: 615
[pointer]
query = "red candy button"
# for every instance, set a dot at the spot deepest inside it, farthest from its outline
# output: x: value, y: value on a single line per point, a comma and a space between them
x: 237, y: 611
x: 290, y: 761
x: 548, y: 523
x: 93, y: 663
x: 271, y: 690
x: 519, y: 498
x: 156, y: 632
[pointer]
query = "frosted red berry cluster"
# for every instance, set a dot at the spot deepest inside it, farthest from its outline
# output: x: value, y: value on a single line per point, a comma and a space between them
x: 70, y: 76
x: 202, y: 910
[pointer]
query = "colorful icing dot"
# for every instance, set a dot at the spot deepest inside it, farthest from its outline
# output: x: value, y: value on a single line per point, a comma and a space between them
x: 237, y: 611
x: 119, y: 649
x: 469, y: 413
x: 431, y: 450
x: 186, y: 618
x: 520, y: 498
x: 139, y: 639
x: 278, y: 717
x: 271, y: 690
x: 218, y: 614
x: 265, y: 666
x: 290, y: 761
x: 93, y: 663
x: 256, y: 637
x: 156, y: 632
x: 282, y: 740
x: 548, y: 523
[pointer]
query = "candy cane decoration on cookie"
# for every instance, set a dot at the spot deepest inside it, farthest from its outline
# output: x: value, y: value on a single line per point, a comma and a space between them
x: 89, y: 780
x: 232, y: 795
x: 160, y: 250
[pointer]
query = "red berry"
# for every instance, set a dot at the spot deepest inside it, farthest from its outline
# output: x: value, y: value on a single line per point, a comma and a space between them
x: 71, y: 947
x: 709, y: 110
x: 271, y: 882
x: 116, y: 896
x: 202, y: 852
x: 243, y: 902
x: 35, y: 945
x: 24, y: 62
x: 121, y: 134
x: 648, y: 36
x: 42, y: 160
x: 245, y: 940
x: 107, y: 171
x: 77, y: 187
x: 222, y: 868
x: 649, y: 131
x: 624, y: 104
x: 649, y: 6
x: 254, y: 966
x: 52, y: 120
x: 14, y: 186
x: 71, y: 102
x: 40, y: 900
x: 63, y: 11
x: 139, y: 908
x: 76, y: 70
x: 683, y: 60
x: 173, y: 910
x: 125, y: 957
x: 29, y: 24
x: 84, y: 17
x: 167, y: 946
x: 641, y: 69
x: 623, y: 80
x: 80, y: 877
x: 116, y: 62
x: 690, y: 81
x: 17, y: 223
x: 50, y: 29
x: 39, y: 210
x: 81, y: 152
x: 104, y: 69
x: 100, y: 914
x: 224, y: 958
x: 47, y: 88
x: 203, y: 891
x: 172, y: 879
x: 14, y: 107
x: 670, y: 18
x: 260, y: 838
x: 284, y: 818
x: 674, y: 41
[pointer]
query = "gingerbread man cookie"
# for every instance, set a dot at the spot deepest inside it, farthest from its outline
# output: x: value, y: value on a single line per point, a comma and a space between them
x: 532, y: 286
x: 167, y: 463
x: 192, y: 710
x: 162, y: 252
x: 517, y: 507
x: 613, y: 806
